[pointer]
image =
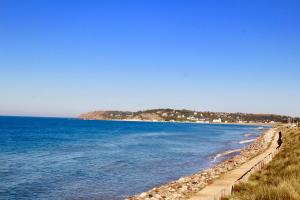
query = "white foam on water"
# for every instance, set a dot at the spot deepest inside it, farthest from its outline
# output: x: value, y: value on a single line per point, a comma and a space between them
x: 226, y: 153
x: 246, y: 141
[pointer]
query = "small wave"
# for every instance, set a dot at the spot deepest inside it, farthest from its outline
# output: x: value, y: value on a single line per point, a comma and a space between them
x: 246, y: 141
x: 226, y: 153
x: 260, y: 128
x: 249, y: 134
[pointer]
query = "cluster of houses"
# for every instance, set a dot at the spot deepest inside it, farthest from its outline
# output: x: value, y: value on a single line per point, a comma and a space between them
x: 172, y: 115
x: 198, y: 117
x: 194, y: 117
x: 183, y: 116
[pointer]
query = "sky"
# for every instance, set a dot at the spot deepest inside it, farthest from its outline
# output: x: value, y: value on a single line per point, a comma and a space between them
x: 65, y: 57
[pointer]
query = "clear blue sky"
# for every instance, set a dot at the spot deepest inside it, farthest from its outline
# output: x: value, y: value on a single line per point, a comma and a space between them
x: 62, y: 58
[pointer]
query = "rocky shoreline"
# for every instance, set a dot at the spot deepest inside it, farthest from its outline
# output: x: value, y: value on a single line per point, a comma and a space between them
x: 187, y: 186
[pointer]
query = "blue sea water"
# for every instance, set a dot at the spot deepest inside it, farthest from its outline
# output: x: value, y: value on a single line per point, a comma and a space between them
x: 56, y: 158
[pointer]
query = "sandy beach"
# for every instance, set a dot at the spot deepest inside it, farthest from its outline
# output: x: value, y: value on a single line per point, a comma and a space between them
x: 190, y: 186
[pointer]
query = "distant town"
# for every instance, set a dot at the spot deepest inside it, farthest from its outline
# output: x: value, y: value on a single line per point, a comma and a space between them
x: 173, y: 115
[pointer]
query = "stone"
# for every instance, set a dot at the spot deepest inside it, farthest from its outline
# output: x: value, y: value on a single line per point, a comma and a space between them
x: 143, y: 195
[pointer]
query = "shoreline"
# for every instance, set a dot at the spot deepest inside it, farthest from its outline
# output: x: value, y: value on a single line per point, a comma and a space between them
x: 187, y: 186
x: 181, y: 122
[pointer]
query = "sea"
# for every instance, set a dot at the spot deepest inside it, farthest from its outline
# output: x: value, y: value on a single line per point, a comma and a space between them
x: 68, y: 158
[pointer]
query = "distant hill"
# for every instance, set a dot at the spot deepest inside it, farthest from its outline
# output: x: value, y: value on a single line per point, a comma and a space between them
x: 186, y: 116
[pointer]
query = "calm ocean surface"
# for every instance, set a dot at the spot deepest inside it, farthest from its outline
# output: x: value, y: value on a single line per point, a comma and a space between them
x: 54, y: 158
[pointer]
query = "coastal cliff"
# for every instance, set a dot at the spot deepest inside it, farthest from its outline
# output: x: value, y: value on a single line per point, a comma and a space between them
x: 173, y: 115
x: 120, y: 115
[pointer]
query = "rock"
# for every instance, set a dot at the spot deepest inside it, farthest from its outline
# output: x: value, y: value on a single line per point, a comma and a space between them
x: 184, y: 188
x: 176, y: 190
x: 143, y: 195
x: 181, y: 180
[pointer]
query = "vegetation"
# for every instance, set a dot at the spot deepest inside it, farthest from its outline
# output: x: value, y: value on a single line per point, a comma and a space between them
x: 280, y: 180
x: 186, y: 115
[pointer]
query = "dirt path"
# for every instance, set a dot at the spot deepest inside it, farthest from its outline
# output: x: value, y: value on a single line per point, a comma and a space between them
x: 223, y: 186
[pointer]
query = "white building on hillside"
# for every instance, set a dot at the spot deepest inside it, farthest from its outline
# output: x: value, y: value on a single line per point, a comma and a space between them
x: 165, y: 114
x: 217, y: 120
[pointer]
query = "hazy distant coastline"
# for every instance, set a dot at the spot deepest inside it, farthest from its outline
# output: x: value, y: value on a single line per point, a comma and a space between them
x: 173, y: 115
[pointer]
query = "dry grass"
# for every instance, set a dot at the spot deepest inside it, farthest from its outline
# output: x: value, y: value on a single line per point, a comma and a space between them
x: 280, y: 180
